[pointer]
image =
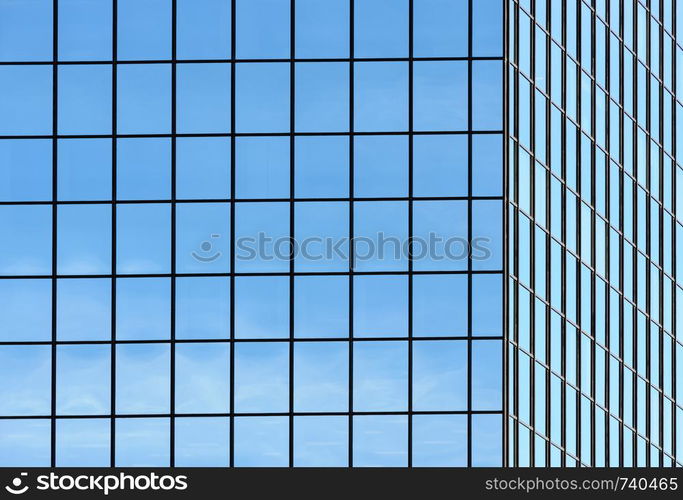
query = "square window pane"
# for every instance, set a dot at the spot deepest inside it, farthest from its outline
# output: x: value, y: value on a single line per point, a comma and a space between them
x: 26, y: 30
x: 487, y: 235
x: 202, y: 308
x: 143, y: 308
x: 261, y: 441
x: 142, y: 442
x: 322, y: 29
x: 25, y: 310
x: 440, y: 440
x: 321, y: 441
x: 440, y: 375
x: 84, y: 169
x: 262, y: 29
x: 440, y: 95
x: 202, y: 237
x: 25, y: 170
x: 25, y: 100
x: 321, y: 376
x: 381, y: 230
x: 487, y: 304
x: 143, y: 169
x: 487, y: 377
x: 321, y: 306
x: 203, y: 29
x: 262, y: 307
x: 261, y: 377
x: 25, y: 443
x: 440, y: 28
x: 83, y: 379
x: 262, y: 97
x: 381, y: 28
x: 262, y: 237
x: 322, y: 97
x: 262, y: 167
x: 487, y: 441
x: 380, y: 306
x: 143, y: 241
x: 487, y: 95
x: 440, y: 165
x: 84, y: 239
x: 487, y: 28
x: 85, y: 29
x: 380, y: 96
x: 440, y: 235
x: 440, y: 305
x: 142, y: 379
x: 202, y: 442
x: 380, y: 376
x: 83, y: 442
x: 202, y: 167
x: 203, y: 98
x: 202, y: 378
x: 144, y: 29
x: 380, y: 166
x: 380, y: 441
x: 25, y: 375
x: 321, y: 233
x: 84, y: 101
x: 84, y: 309
x: 26, y: 245
x: 487, y: 165
x: 143, y: 98
x: 322, y: 167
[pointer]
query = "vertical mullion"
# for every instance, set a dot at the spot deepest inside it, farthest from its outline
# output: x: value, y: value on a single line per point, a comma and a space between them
x: 174, y: 22
x: 233, y: 38
x: 410, y: 230
x: 292, y: 214
x: 53, y: 367
x: 469, y: 232
x: 351, y: 223
x: 112, y: 408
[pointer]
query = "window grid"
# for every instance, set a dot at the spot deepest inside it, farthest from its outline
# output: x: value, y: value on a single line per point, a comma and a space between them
x: 173, y: 202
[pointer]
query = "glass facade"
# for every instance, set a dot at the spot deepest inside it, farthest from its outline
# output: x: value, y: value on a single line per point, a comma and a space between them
x: 233, y: 231
x: 593, y: 218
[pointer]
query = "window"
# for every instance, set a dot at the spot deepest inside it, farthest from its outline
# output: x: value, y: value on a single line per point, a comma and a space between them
x: 380, y: 96
x: 26, y: 169
x: 84, y: 101
x: 262, y: 97
x: 25, y: 100
x: 26, y: 31
x: 144, y: 99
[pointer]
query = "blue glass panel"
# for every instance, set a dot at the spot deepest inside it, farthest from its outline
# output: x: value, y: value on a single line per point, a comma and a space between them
x: 85, y: 29
x: 380, y: 441
x: 83, y: 379
x: 25, y: 170
x: 142, y: 442
x: 143, y: 169
x: 261, y: 441
x: 143, y: 308
x: 25, y: 100
x: 26, y: 310
x: 321, y: 376
x: 202, y: 442
x: 262, y: 377
x: 321, y: 441
x: 83, y: 442
x: 142, y: 380
x: 202, y: 378
x: 26, y: 30
x: 84, y: 169
x: 84, y: 101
